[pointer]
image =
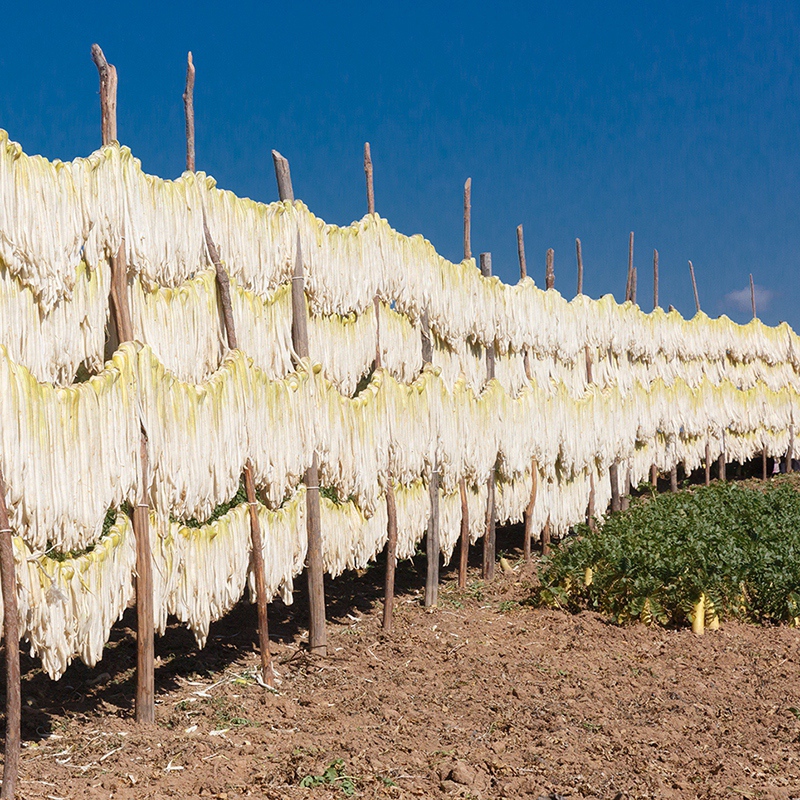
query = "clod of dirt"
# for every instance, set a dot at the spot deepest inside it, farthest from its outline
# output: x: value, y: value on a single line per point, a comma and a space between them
x: 463, y: 773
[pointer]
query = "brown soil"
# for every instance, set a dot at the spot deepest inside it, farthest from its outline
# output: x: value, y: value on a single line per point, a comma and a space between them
x: 482, y: 698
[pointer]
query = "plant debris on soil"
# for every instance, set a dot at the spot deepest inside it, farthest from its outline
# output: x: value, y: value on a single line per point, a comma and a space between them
x: 484, y: 697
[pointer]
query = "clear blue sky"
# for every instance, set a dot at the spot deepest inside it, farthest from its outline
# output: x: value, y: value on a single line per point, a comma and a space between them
x: 679, y: 121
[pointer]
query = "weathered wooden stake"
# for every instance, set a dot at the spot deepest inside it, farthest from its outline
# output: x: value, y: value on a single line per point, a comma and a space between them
x: 391, y: 504
x: 708, y: 463
x: 108, y: 95
x: 523, y: 264
x: 549, y: 275
x: 463, y: 561
x: 283, y: 176
x: 489, y: 538
x: 694, y: 288
x: 755, y: 316
x: 634, y: 275
x: 613, y: 475
x: 432, y: 551
x: 528, y: 515
x: 629, y: 283
x: 224, y: 289
x: 317, y: 634
x: 653, y: 468
x: 8, y: 580
x: 145, y: 629
x: 368, y: 174
x: 655, y: 279
x: 391, y: 557
x: 468, y: 218
x: 673, y: 480
x: 188, y: 108
x: 579, y: 256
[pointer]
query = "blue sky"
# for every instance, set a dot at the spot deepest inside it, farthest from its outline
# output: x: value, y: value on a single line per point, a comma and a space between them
x: 679, y: 121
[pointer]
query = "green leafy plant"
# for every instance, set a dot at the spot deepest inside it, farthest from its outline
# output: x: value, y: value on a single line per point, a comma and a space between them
x: 736, y: 547
x: 334, y: 775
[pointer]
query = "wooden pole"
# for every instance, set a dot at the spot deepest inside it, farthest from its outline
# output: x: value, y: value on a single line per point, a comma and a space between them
x: 590, y: 509
x: 708, y: 464
x: 108, y: 95
x: 579, y: 256
x: 489, y: 538
x: 8, y: 579
x: 432, y: 551
x: 653, y: 468
x: 368, y: 174
x: 391, y: 557
x: 694, y: 288
x: 628, y: 285
x: 283, y: 176
x: 549, y: 283
x: 528, y: 515
x: 634, y: 275
x: 317, y: 635
x: 463, y: 561
x: 145, y: 629
x: 613, y: 474
x: 224, y: 289
x: 523, y: 264
x: 755, y: 316
x: 655, y: 279
x: 391, y: 503
x: 673, y: 480
x: 468, y: 218
x: 188, y: 108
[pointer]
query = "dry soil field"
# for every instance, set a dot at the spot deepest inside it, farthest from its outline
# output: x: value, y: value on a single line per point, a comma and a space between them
x: 485, y: 697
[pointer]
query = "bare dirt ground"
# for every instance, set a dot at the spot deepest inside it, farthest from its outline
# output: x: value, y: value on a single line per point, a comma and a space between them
x: 485, y: 697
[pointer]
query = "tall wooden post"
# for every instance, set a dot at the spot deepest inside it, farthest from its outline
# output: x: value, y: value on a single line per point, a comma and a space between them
x: 108, y: 95
x: 653, y: 468
x: 8, y: 581
x: 145, y: 629
x: 579, y: 256
x: 188, y: 108
x: 528, y: 515
x: 634, y: 275
x: 523, y: 264
x: 708, y: 464
x: 463, y: 560
x: 694, y: 288
x: 489, y: 538
x: 317, y: 635
x: 368, y: 175
x: 629, y: 283
x: 655, y: 279
x: 433, y: 548
x: 549, y: 283
x: 391, y: 504
x: 224, y: 289
x: 755, y: 316
x: 613, y: 475
x: 468, y: 219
